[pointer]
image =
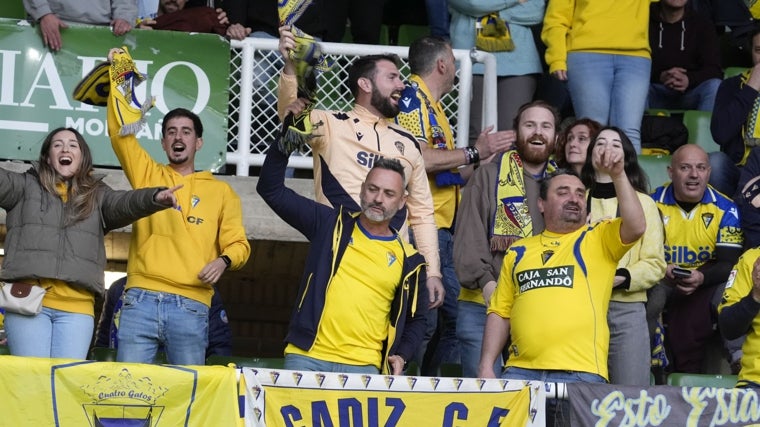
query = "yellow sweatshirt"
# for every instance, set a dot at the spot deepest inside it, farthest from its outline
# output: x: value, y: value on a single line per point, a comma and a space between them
x: 169, y: 248
x: 619, y: 27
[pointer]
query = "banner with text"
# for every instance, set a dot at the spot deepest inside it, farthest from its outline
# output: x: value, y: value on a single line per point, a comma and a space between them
x: 300, y: 399
x: 184, y: 70
x: 612, y: 405
x: 56, y: 392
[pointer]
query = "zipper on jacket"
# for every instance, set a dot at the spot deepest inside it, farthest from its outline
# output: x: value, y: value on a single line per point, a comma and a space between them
x: 305, y: 291
x: 408, y: 288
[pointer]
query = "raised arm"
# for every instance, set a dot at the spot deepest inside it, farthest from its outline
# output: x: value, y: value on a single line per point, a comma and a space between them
x: 298, y: 211
x: 610, y: 162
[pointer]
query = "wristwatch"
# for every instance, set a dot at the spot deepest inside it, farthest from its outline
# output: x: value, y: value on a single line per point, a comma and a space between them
x: 226, y: 260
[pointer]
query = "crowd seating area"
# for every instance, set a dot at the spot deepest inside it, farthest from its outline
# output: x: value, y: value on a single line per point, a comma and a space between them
x: 698, y: 124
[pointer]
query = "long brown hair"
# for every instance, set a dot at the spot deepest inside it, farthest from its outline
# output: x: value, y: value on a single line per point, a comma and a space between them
x: 82, y: 186
x: 636, y: 175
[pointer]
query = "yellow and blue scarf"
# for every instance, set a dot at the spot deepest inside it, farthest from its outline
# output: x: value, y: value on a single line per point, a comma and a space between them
x: 512, y: 220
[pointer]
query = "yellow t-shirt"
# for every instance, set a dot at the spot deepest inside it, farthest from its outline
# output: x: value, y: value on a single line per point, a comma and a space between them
x: 62, y: 296
x: 555, y: 289
x: 354, y: 323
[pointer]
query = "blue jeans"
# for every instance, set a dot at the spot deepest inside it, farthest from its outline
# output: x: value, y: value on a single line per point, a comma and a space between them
x: 611, y: 89
x: 442, y: 346
x: 297, y: 362
x: 471, y: 323
x: 148, y: 319
x: 629, y: 356
x: 557, y: 410
x: 701, y: 97
x: 52, y: 333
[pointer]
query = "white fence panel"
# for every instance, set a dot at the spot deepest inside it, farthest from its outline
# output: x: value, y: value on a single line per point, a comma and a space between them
x: 256, y: 65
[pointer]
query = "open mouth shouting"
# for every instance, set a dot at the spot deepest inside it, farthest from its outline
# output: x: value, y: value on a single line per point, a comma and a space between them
x: 178, y: 147
x: 64, y: 154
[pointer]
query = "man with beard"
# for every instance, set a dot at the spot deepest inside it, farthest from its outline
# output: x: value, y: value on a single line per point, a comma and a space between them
x: 554, y: 288
x: 176, y: 256
x: 499, y: 205
x: 357, y: 263
x: 345, y: 146
x: 433, y: 68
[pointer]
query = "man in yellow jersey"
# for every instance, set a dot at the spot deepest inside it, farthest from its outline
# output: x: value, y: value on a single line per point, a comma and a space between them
x: 361, y: 304
x: 739, y: 314
x: 703, y: 240
x: 433, y: 68
x: 554, y: 288
x: 345, y: 145
x: 499, y: 206
x: 176, y: 256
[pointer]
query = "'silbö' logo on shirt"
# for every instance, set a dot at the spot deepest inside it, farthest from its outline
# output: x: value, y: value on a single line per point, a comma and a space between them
x: 684, y: 255
x: 364, y: 158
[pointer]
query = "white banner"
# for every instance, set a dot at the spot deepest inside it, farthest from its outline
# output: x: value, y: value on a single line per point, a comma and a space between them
x: 300, y: 399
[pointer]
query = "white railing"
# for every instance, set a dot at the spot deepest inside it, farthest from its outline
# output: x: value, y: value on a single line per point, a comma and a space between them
x: 256, y: 64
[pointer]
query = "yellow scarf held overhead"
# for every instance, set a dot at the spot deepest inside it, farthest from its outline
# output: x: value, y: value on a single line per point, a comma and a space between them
x: 309, y: 61
x: 117, y: 80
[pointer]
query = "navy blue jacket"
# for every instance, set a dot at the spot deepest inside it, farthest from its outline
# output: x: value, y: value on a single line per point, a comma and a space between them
x: 329, y: 231
x: 733, y: 102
